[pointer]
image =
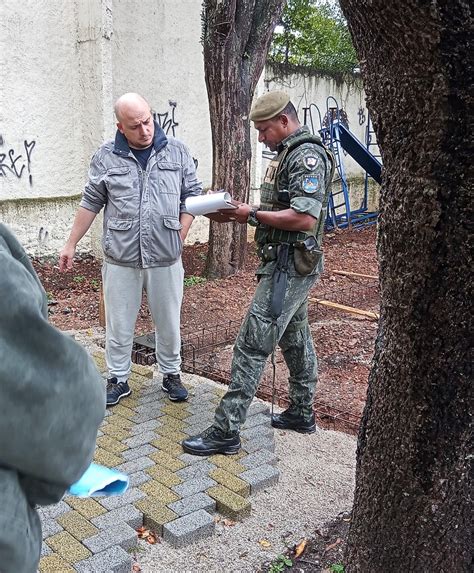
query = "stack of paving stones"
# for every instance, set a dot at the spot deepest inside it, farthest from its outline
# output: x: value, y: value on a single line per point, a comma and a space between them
x: 171, y: 493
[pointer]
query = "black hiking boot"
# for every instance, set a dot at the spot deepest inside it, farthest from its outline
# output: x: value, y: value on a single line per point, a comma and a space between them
x: 291, y: 420
x: 116, y: 391
x: 173, y: 385
x: 212, y: 441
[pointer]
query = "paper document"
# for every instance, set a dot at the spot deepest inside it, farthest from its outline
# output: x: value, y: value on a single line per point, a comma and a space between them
x: 99, y: 481
x: 210, y: 203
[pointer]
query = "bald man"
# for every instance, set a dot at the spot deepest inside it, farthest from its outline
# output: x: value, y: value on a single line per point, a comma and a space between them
x: 142, y: 180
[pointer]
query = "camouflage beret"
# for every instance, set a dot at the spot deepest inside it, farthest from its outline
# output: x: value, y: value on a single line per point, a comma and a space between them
x: 269, y: 105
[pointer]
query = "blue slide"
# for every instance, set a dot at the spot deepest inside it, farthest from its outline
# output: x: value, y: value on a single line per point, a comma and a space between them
x: 359, y: 153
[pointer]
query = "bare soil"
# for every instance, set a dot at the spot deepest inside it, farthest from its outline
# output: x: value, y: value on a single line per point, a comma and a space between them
x: 213, y: 310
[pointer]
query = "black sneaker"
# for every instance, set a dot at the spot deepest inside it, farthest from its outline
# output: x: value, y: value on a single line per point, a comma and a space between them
x: 291, y: 420
x: 116, y: 391
x: 173, y: 385
x: 212, y: 441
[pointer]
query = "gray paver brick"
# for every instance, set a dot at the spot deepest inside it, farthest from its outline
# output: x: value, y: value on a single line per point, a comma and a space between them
x: 196, y: 470
x: 121, y: 534
x: 256, y: 420
x: 193, y: 503
x: 259, y: 458
x: 50, y: 527
x: 189, y: 459
x: 261, y: 477
x: 189, y: 528
x: 150, y: 408
x: 258, y: 408
x: 135, y: 465
x: 140, y: 439
x: 155, y: 397
x: 53, y: 511
x: 130, y: 496
x: 264, y: 442
x: 204, y: 417
x: 192, y: 486
x: 127, y: 514
x: 45, y: 550
x: 114, y: 559
x: 255, y: 432
x: 139, y: 452
x: 145, y: 417
x: 144, y: 427
x: 138, y: 478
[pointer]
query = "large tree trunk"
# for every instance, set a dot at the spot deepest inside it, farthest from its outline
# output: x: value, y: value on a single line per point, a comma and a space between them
x: 412, y: 509
x: 236, y: 37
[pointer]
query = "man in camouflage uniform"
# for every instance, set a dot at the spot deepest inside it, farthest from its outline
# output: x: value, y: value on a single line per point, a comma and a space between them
x: 289, y: 225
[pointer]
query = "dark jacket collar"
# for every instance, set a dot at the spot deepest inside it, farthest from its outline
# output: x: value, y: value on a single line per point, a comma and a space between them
x: 121, y: 146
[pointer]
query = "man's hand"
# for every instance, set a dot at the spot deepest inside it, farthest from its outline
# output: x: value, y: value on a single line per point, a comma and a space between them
x: 240, y: 214
x: 66, y: 258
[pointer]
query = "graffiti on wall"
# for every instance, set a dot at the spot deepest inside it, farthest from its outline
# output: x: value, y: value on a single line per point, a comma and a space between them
x: 166, y: 120
x: 16, y: 163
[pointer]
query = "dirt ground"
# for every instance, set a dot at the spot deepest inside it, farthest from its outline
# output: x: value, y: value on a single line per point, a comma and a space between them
x: 213, y: 310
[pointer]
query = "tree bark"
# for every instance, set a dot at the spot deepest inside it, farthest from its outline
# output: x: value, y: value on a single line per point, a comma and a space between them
x: 412, y: 508
x: 236, y: 38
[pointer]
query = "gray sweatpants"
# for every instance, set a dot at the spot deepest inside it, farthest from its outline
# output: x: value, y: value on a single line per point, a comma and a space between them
x: 123, y: 288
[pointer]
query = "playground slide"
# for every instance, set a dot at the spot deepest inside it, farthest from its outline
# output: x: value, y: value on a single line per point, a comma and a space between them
x: 359, y: 153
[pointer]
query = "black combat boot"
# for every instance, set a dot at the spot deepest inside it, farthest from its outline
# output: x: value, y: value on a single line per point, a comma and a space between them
x: 212, y: 441
x: 292, y: 420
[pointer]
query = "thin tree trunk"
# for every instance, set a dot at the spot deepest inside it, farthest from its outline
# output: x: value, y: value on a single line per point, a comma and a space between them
x: 412, y: 508
x: 236, y: 37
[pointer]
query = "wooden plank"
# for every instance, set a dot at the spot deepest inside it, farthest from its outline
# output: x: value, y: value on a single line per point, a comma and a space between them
x: 101, y: 309
x: 344, y: 308
x: 349, y: 274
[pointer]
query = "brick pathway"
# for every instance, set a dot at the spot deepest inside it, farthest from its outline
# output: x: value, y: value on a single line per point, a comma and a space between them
x: 172, y: 493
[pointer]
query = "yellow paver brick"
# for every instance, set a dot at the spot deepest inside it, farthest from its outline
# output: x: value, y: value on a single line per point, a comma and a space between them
x: 54, y: 564
x: 119, y: 420
x: 87, y: 507
x: 229, y: 503
x: 230, y: 481
x: 176, y: 411
x: 172, y: 434
x: 226, y: 461
x: 67, y: 547
x: 145, y: 371
x: 129, y: 401
x: 127, y: 413
x: 77, y: 525
x: 167, y: 461
x: 159, y: 492
x: 172, y: 422
x: 105, y: 458
x: 172, y: 448
x: 115, y: 431
x: 164, y: 476
x: 111, y: 444
x: 155, y: 514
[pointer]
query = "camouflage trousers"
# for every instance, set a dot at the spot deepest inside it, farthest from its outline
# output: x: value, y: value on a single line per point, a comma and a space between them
x: 258, y: 337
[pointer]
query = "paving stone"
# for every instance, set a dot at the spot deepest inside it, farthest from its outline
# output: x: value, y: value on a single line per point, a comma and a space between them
x: 77, y: 525
x: 53, y: 511
x: 150, y: 408
x: 67, y: 547
x: 144, y: 427
x: 164, y: 476
x: 144, y: 371
x: 228, y: 463
x: 258, y: 408
x: 124, y: 412
x: 118, y: 420
x: 105, y: 458
x: 197, y: 428
x: 229, y: 503
x: 176, y: 411
x: 50, y: 527
x: 130, y: 401
x: 153, y: 396
x: 171, y: 422
x: 168, y: 446
x: 261, y: 477
x: 114, y: 560
x: 130, y: 496
x: 121, y: 534
x: 192, y: 486
x: 139, y: 452
x: 99, y: 433
x: 87, y: 507
x: 256, y: 431
x: 201, y: 417
x: 155, y: 514
x: 193, y: 503
x: 138, y: 478
x: 189, y: 528
x: 140, y: 439
x: 231, y: 482
x: 259, y: 458
x: 116, y: 432
x: 145, y: 417
x: 128, y: 514
x: 54, y: 564
x: 173, y: 434
x: 167, y: 461
x: 262, y: 443
x: 198, y: 469
x: 135, y: 465
x: 160, y: 492
x: 257, y: 420
x: 190, y: 459
x: 110, y: 444
x: 45, y: 550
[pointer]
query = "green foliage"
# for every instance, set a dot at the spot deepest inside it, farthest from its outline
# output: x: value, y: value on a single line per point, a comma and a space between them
x: 280, y: 564
x: 314, y: 34
x: 193, y: 280
x: 336, y: 568
x: 95, y: 284
x: 79, y: 279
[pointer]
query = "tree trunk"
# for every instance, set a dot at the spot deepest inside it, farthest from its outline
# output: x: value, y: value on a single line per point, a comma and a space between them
x: 236, y: 37
x: 412, y: 509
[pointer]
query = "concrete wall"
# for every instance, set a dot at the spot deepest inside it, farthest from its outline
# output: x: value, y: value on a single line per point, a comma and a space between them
x: 63, y: 64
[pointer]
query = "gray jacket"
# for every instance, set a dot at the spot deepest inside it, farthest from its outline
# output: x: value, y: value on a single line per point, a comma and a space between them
x: 52, y: 401
x: 142, y: 208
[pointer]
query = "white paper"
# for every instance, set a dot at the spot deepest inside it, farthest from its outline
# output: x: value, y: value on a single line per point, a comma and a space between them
x: 210, y: 203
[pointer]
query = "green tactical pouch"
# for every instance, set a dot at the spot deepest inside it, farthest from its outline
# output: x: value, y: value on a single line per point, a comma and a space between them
x: 307, y: 256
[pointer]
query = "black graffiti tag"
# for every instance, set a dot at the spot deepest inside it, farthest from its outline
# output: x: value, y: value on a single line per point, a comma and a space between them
x: 14, y: 164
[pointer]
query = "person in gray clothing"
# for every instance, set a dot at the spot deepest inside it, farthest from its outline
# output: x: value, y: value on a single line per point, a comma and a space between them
x: 142, y: 180
x: 52, y: 401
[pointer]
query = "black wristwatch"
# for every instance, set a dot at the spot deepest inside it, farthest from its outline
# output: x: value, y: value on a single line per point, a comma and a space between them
x: 252, y: 218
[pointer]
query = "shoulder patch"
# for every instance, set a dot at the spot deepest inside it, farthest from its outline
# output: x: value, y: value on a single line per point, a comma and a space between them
x: 310, y: 184
x: 310, y: 162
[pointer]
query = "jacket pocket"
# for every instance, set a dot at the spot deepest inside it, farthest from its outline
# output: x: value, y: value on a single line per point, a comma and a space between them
x: 121, y: 241
x: 172, y: 223
x: 169, y: 177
